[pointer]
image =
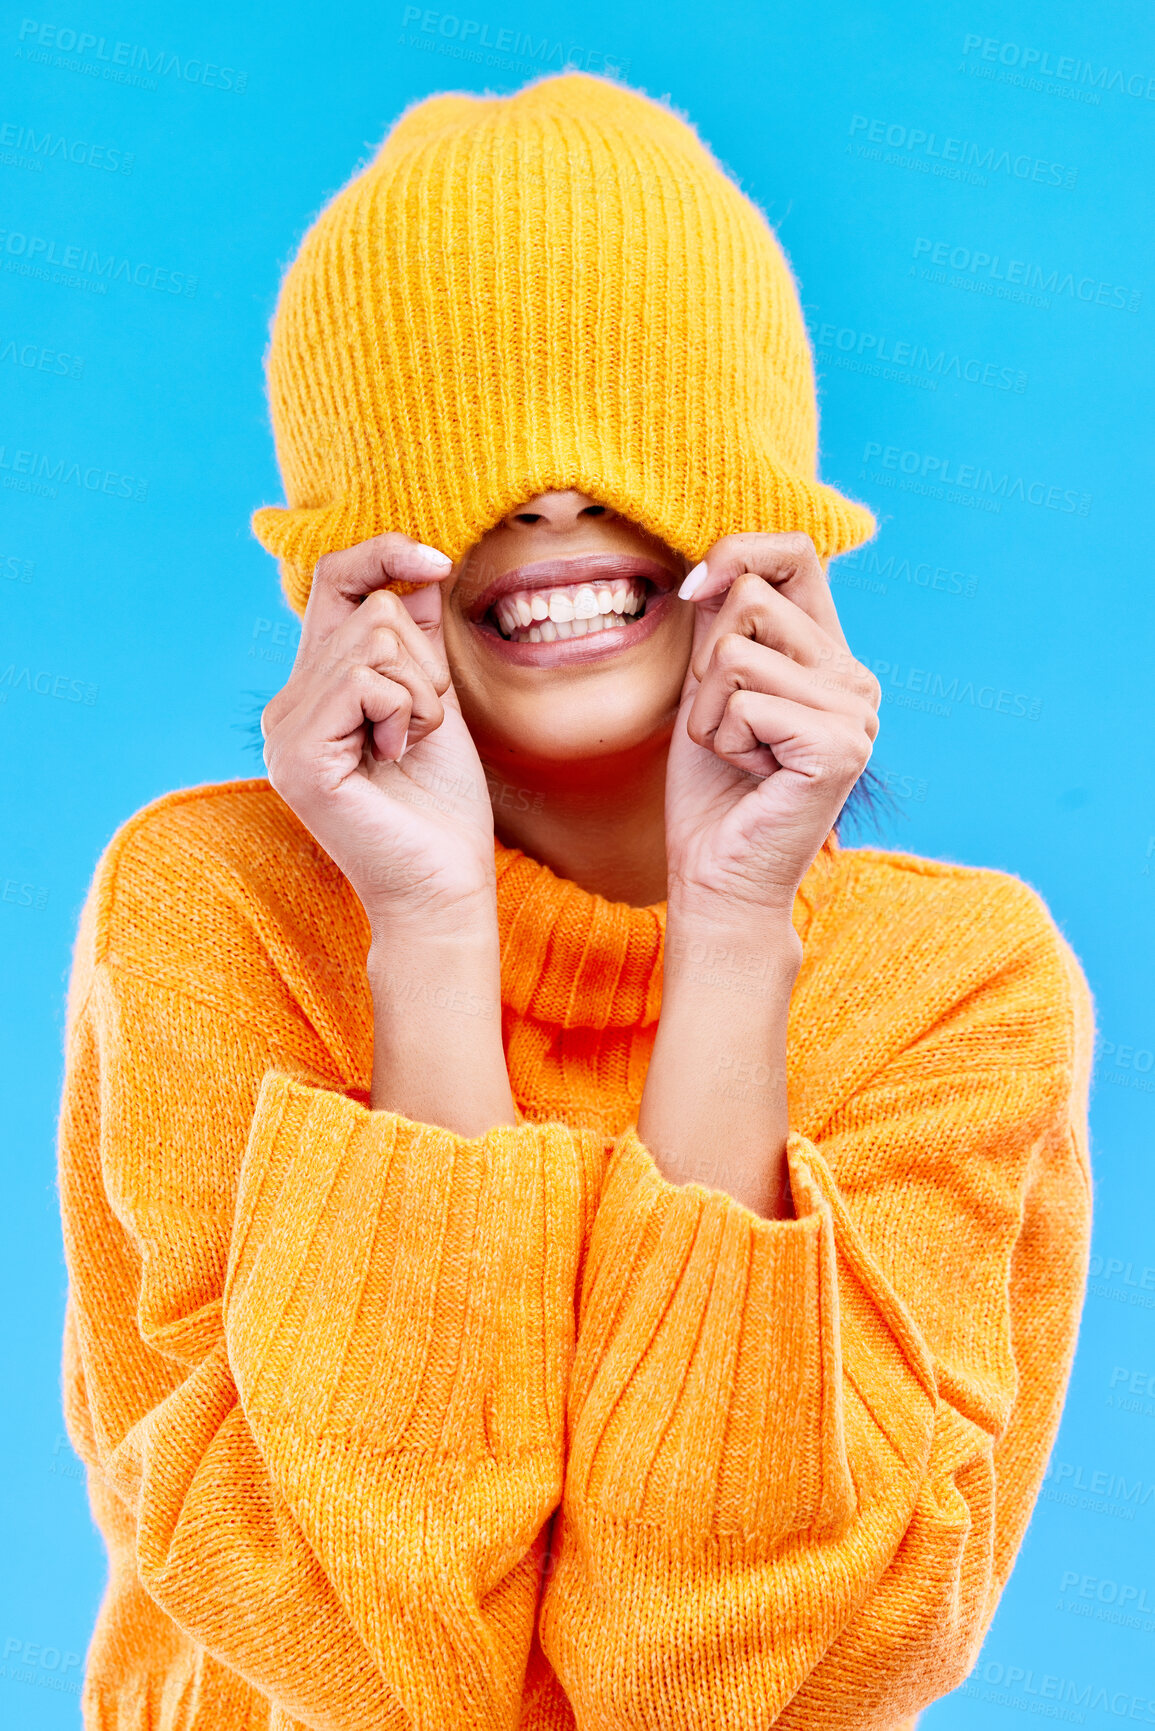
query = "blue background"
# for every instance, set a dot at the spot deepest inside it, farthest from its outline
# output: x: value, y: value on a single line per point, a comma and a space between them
x: 151, y: 624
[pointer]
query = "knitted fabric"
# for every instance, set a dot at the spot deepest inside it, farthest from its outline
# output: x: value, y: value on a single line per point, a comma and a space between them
x: 390, y: 1428
x: 555, y: 289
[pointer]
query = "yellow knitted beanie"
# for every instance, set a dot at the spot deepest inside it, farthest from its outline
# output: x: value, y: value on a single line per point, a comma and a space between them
x: 555, y: 289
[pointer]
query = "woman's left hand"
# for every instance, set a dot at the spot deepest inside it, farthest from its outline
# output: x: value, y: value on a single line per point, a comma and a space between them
x: 775, y: 726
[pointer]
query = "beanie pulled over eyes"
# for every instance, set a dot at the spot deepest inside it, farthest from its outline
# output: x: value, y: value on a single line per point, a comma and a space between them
x: 555, y: 289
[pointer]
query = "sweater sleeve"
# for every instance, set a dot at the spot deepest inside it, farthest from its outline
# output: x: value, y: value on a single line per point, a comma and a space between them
x: 316, y: 1360
x: 804, y: 1452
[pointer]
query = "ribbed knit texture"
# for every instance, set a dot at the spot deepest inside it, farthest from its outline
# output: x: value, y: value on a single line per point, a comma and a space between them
x: 390, y: 1428
x: 559, y: 288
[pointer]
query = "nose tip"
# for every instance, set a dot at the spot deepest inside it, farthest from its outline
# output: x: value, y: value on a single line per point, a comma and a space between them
x: 558, y: 512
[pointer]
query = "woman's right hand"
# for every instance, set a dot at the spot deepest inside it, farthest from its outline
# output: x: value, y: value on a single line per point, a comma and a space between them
x: 413, y: 833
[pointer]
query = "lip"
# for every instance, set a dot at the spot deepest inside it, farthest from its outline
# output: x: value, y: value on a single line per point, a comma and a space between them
x: 552, y: 573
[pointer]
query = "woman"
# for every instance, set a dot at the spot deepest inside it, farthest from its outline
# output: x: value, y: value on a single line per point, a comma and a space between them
x: 617, y: 1272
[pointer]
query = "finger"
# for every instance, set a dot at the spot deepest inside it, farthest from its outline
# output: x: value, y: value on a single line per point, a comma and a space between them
x: 762, y: 733
x: 786, y: 560
x: 342, y: 580
x: 383, y: 651
x: 738, y: 664
x: 387, y: 656
x: 321, y: 741
x: 754, y: 609
x: 385, y: 612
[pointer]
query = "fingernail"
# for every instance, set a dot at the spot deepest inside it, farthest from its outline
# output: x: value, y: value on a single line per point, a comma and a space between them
x: 432, y: 557
x: 693, y: 581
x: 404, y: 746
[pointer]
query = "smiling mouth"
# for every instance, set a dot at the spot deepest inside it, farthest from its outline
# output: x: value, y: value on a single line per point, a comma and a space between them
x: 582, y: 609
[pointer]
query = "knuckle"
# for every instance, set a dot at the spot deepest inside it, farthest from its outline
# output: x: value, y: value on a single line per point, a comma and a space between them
x: 328, y: 566
x: 386, y: 648
x: 280, y: 779
x: 358, y: 674
x: 731, y: 650
x: 796, y: 542
x: 391, y: 542
x: 750, y: 590
x: 843, y: 753
x: 697, y: 729
x: 870, y: 683
x: 701, y: 662
x: 381, y: 605
x: 856, y: 752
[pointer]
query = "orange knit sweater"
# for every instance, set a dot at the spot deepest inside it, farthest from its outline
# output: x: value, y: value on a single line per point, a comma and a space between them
x: 390, y: 1428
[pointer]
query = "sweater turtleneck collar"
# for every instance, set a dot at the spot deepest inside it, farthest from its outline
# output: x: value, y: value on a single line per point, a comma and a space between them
x: 572, y: 959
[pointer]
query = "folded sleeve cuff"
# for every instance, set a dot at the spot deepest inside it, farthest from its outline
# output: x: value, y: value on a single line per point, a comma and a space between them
x: 396, y: 1280
x: 707, y: 1387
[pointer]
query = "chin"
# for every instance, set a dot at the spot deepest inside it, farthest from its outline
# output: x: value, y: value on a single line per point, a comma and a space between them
x: 567, y: 726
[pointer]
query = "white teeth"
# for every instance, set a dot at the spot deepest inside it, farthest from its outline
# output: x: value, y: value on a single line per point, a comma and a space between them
x: 572, y: 612
x: 550, y: 631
